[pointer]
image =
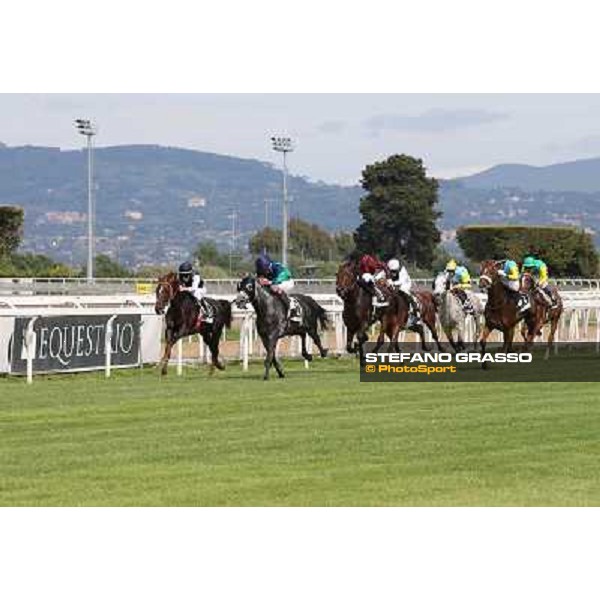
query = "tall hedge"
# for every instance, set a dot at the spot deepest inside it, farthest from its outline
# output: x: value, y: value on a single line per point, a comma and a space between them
x: 566, y: 250
x: 11, y: 228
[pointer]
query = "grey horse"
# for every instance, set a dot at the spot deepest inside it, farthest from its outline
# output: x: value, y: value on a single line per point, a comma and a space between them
x: 452, y: 315
x: 272, y: 322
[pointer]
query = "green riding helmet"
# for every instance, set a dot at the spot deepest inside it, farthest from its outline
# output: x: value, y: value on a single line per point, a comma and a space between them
x: 529, y: 263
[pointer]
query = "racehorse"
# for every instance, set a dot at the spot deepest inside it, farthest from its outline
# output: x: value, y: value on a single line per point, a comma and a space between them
x: 358, y: 311
x: 272, y: 322
x: 452, y: 315
x: 501, y: 311
x: 182, y: 318
x: 394, y: 319
x: 542, y: 313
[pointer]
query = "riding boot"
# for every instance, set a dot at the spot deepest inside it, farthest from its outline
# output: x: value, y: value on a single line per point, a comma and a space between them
x: 414, y: 318
x: 286, y: 303
x: 295, y: 311
x: 206, y: 310
x: 380, y: 299
x: 468, y: 305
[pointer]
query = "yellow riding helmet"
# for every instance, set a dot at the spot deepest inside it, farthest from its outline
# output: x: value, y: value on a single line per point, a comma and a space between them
x: 451, y: 265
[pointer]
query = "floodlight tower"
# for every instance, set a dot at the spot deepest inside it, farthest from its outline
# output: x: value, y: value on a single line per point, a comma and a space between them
x: 284, y: 145
x: 89, y: 129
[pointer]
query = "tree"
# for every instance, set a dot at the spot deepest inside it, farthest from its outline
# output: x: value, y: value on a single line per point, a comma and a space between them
x: 266, y: 240
x: 399, y: 211
x: 307, y: 241
x: 11, y: 228
x: 344, y: 243
x: 104, y: 266
x: 567, y: 251
x: 207, y: 253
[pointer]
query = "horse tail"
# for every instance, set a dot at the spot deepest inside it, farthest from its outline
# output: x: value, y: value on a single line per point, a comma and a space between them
x: 323, y: 318
x: 227, y: 316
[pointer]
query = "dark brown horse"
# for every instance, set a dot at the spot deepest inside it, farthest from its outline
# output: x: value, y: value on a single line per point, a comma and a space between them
x: 181, y: 319
x: 358, y: 306
x: 501, y: 311
x: 542, y: 312
x: 394, y: 319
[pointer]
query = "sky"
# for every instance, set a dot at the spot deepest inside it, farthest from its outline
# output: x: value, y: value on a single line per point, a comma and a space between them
x: 335, y: 135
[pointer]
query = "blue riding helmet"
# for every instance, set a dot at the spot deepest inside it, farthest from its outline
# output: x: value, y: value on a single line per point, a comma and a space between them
x: 185, y: 268
x: 263, y: 265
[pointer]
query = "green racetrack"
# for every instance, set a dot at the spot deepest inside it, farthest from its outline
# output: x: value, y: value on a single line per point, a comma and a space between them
x: 316, y: 438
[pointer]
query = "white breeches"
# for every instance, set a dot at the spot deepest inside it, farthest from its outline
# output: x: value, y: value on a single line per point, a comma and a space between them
x: 511, y: 284
x: 286, y: 286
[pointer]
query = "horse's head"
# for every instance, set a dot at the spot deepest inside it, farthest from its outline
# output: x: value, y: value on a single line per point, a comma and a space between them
x: 488, y: 273
x: 345, y: 278
x: 246, y: 291
x: 440, y: 285
x: 526, y: 282
x: 166, y: 289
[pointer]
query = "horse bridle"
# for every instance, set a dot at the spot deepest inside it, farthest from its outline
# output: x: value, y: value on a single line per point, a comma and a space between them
x: 161, y: 284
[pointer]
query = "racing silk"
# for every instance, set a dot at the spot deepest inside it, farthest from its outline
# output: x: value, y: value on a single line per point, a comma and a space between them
x: 540, y: 271
x: 402, y: 282
x: 196, y: 288
x: 279, y: 273
x: 511, y: 270
x: 372, y: 265
x: 461, y: 278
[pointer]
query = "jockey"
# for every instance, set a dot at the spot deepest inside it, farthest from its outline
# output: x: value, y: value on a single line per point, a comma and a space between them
x: 400, y: 281
x: 278, y: 278
x: 539, y: 271
x: 190, y: 281
x: 460, y: 285
x: 449, y: 272
x: 372, y: 271
x: 509, y: 276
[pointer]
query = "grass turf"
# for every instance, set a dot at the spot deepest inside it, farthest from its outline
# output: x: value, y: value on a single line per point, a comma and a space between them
x: 318, y: 437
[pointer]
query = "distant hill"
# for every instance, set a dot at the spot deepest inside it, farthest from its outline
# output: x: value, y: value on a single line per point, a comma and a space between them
x: 155, y: 203
x: 576, y: 176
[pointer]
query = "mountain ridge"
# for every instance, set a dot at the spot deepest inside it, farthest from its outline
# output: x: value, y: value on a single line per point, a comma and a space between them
x: 156, y: 203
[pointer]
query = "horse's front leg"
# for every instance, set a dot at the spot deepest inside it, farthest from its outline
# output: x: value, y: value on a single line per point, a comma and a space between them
x: 485, y: 333
x: 164, y: 363
x: 276, y: 362
x: 418, y: 329
x: 450, y: 336
x: 509, y: 335
x: 212, y: 341
x: 170, y: 340
x: 555, y: 318
x: 362, y: 338
x: 350, y: 348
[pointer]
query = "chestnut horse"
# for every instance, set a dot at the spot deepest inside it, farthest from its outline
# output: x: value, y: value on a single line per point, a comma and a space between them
x: 182, y: 318
x: 358, y: 313
x: 358, y: 306
x: 501, y: 310
x: 394, y: 319
x: 542, y: 313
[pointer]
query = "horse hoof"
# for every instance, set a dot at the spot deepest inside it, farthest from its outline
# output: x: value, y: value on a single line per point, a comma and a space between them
x: 324, y: 352
x: 307, y: 357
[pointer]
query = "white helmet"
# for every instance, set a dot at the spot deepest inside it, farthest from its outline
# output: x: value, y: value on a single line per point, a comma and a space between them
x: 394, y: 264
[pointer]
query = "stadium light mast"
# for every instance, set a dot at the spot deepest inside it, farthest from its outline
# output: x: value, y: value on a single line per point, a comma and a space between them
x: 284, y: 145
x: 89, y: 129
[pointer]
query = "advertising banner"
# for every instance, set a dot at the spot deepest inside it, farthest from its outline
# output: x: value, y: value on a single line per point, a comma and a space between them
x: 75, y: 343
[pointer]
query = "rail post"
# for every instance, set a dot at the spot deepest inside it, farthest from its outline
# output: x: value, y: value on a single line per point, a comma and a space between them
x: 108, y: 332
x: 30, y: 340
